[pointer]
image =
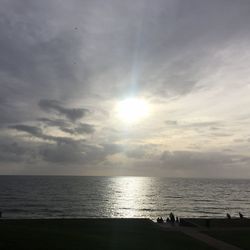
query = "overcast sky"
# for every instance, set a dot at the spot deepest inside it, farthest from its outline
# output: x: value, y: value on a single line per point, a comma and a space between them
x: 65, y: 65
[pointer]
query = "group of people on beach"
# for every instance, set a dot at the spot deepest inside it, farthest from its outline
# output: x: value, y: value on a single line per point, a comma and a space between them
x: 171, y: 219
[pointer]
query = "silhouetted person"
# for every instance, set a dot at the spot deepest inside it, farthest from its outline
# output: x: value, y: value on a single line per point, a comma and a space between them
x: 160, y: 220
x: 171, y: 216
x: 228, y: 216
x: 241, y: 215
x: 167, y: 220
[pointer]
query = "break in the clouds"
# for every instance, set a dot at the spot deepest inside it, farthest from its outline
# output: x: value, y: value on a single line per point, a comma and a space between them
x: 65, y: 66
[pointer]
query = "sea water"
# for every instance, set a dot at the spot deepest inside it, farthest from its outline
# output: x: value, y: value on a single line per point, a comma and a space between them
x: 121, y: 197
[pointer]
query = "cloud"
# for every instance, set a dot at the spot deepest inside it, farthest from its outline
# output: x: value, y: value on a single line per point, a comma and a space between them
x: 64, y: 149
x: 66, y: 153
x: 112, y: 148
x: 193, y: 124
x: 145, y: 151
x: 171, y: 122
x: 84, y: 128
x: 204, y: 124
x: 12, y: 152
x: 53, y: 122
x: 68, y: 126
x: 38, y: 133
x: 78, y: 152
x: 136, y: 153
x: 54, y: 105
x: 198, y: 161
x: 222, y: 134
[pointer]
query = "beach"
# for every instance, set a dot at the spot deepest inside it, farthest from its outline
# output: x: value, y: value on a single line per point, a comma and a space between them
x: 91, y: 234
x: 109, y: 234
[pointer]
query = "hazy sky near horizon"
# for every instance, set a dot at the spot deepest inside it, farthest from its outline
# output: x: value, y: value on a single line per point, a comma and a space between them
x: 65, y: 65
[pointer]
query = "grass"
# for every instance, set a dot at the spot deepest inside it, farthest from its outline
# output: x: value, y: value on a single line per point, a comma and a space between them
x: 91, y: 234
x: 237, y: 237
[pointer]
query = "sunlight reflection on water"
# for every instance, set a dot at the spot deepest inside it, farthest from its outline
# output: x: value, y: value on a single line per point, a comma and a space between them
x: 129, y: 196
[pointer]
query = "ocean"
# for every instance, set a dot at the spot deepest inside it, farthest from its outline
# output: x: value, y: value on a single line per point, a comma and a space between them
x: 121, y: 197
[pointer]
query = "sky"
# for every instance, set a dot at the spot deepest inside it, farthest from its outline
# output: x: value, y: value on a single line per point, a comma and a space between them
x: 66, y: 65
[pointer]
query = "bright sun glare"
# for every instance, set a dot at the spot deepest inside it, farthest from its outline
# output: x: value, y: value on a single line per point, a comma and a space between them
x: 132, y: 110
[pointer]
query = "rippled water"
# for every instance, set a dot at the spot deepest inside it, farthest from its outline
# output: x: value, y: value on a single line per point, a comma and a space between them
x: 53, y: 197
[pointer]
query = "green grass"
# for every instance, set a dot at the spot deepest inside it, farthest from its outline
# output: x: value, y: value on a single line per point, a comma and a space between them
x: 237, y: 237
x: 91, y: 234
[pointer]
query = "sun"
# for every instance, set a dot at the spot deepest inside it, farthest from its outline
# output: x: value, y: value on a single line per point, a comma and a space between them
x: 132, y: 110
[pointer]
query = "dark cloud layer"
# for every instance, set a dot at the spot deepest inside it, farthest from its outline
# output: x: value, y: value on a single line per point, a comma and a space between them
x: 53, y: 105
x: 76, y: 153
x: 68, y: 126
x: 29, y: 129
x: 38, y: 133
x: 62, y: 150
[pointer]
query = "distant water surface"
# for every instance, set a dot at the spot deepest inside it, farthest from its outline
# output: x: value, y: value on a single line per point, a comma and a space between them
x: 99, y: 197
